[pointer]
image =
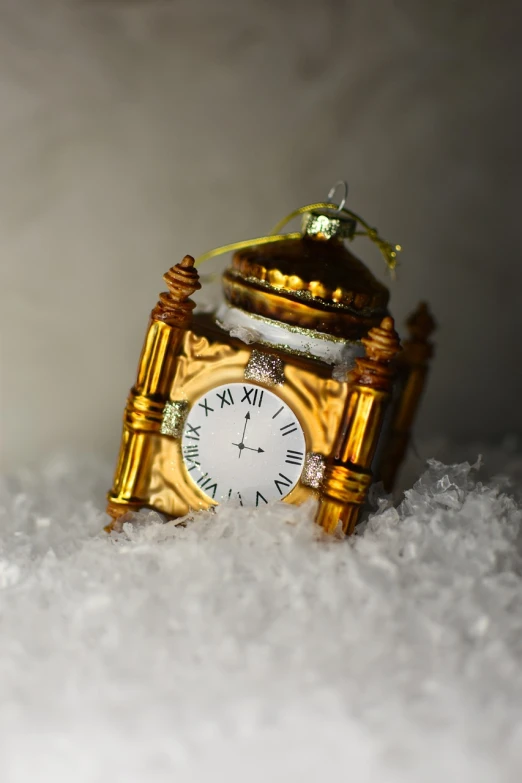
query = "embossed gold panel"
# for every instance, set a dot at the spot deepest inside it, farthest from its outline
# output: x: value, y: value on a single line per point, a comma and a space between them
x: 204, y: 362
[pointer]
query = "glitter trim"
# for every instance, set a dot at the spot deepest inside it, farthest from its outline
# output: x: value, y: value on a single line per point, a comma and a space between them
x: 313, y: 471
x: 265, y: 368
x: 174, y: 415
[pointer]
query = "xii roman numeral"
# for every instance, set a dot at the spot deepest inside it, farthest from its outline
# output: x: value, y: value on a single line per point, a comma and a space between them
x: 250, y: 396
x: 223, y: 397
x: 284, y: 481
x: 288, y: 428
x: 294, y: 457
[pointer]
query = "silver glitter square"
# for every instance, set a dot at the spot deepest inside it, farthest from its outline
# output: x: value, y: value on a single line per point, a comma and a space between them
x: 313, y: 471
x: 265, y: 368
x: 174, y: 415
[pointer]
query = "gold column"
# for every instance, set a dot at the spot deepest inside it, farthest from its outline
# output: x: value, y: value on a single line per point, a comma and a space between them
x: 413, y: 365
x: 144, y: 410
x: 348, y: 475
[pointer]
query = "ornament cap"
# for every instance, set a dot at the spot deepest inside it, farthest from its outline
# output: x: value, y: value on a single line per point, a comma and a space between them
x: 328, y: 224
x: 307, y: 282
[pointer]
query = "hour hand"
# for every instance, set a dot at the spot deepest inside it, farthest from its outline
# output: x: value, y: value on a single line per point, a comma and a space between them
x: 242, y: 446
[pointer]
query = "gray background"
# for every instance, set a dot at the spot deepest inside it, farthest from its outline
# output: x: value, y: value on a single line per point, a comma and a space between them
x: 133, y: 133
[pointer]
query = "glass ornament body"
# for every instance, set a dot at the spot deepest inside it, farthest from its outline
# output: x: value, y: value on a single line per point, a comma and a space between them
x: 288, y: 337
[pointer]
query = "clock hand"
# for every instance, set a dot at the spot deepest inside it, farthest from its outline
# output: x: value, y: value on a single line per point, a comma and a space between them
x: 247, y: 419
x: 241, y: 445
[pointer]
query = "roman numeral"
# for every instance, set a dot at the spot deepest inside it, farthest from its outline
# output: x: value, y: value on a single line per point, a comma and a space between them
x: 205, y: 483
x: 294, y: 457
x: 288, y: 428
x: 279, y: 411
x: 191, y: 454
x: 192, y: 432
x: 284, y: 481
x: 260, y: 496
x: 223, y: 397
x: 238, y: 494
x: 206, y: 406
x: 251, y: 396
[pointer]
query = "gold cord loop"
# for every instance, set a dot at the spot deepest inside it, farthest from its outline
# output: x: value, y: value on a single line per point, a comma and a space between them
x: 388, y: 250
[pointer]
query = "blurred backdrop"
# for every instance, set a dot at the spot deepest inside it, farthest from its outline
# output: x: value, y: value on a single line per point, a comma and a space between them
x: 135, y: 132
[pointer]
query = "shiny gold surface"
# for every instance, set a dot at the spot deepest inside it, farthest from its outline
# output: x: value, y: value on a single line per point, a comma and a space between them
x: 348, y: 475
x: 307, y: 283
x: 413, y: 364
x: 323, y: 269
x: 151, y: 471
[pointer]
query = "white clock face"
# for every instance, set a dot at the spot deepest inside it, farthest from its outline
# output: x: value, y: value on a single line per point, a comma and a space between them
x: 241, y: 442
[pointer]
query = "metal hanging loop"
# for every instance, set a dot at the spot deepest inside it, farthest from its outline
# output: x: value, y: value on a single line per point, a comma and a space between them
x: 332, y: 190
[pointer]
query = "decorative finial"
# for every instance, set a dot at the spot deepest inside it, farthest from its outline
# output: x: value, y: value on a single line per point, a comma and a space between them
x: 175, y: 307
x: 421, y: 323
x: 382, y: 342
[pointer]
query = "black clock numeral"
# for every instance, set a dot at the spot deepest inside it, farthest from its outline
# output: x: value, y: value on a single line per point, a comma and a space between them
x: 191, y: 454
x: 294, y: 457
x: 279, y: 411
x: 205, y: 482
x: 250, y: 396
x: 192, y: 432
x: 206, y: 406
x: 223, y: 397
x: 259, y: 497
x: 238, y: 495
x: 287, y: 429
x: 284, y: 481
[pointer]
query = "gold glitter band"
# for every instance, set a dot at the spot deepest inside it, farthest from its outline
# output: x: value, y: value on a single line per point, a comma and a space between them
x: 313, y: 471
x: 174, y: 415
x: 265, y: 368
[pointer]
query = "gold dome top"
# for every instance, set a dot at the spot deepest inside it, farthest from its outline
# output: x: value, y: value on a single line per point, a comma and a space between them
x: 313, y: 282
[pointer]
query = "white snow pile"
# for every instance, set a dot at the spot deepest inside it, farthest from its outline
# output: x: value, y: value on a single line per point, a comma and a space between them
x: 248, y: 647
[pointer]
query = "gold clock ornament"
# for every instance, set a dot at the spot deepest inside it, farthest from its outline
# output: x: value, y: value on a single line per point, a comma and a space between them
x: 296, y: 386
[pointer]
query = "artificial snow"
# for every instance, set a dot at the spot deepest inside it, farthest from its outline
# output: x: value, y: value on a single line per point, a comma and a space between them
x: 246, y: 646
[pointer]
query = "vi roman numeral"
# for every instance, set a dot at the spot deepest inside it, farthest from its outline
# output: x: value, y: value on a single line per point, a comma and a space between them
x: 294, y: 457
x: 226, y: 397
x: 283, y: 481
x: 287, y: 429
x: 251, y: 396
